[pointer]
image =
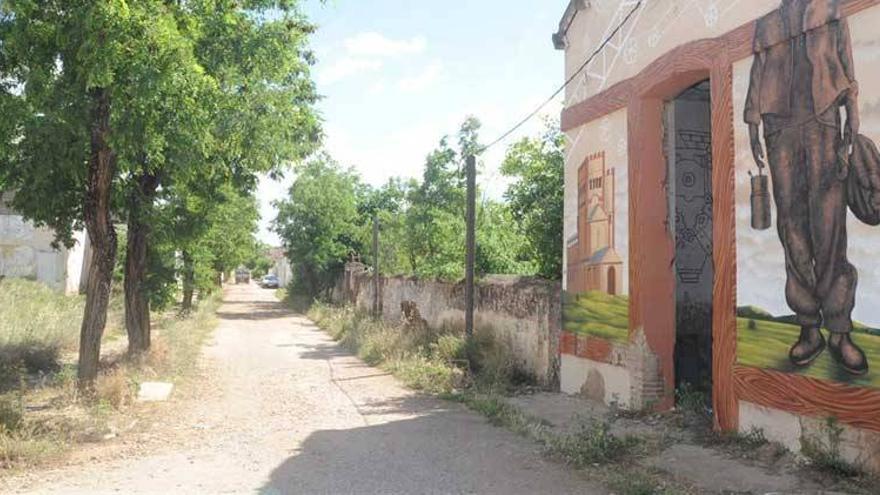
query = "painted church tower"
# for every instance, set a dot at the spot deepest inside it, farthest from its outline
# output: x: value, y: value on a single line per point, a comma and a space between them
x: 593, y: 262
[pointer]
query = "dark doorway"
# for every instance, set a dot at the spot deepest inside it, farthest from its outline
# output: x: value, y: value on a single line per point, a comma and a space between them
x: 612, y: 281
x: 689, y: 159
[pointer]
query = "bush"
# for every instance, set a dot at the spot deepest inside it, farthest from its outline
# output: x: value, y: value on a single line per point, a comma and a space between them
x: 17, y: 449
x: 593, y: 443
x: 114, y: 388
x: 11, y: 414
x: 450, y: 348
x: 822, y: 450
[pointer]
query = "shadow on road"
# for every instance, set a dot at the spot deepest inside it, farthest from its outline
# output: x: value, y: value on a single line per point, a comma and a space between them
x: 441, y: 450
x: 255, y: 310
x: 322, y: 352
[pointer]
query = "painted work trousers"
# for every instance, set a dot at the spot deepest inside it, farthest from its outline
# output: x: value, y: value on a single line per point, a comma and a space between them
x: 811, y: 205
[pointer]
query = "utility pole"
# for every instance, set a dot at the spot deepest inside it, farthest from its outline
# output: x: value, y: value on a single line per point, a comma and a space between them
x: 376, y: 308
x: 470, y: 246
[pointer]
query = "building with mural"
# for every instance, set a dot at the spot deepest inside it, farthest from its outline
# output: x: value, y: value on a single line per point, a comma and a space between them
x: 721, y: 211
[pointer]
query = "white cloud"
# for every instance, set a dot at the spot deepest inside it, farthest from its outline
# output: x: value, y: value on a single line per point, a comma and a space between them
x: 346, y: 67
x: 422, y: 80
x: 371, y: 44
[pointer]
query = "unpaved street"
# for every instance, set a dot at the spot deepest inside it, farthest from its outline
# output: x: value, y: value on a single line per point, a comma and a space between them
x: 292, y: 412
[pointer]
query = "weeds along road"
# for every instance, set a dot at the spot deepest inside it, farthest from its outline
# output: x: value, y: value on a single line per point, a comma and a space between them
x: 291, y: 412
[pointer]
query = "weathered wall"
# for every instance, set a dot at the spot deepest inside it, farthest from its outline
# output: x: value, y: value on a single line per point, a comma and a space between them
x: 522, y: 313
x: 26, y: 252
x: 654, y: 29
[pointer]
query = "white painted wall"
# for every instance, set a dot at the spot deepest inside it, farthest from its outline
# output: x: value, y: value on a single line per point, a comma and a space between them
x: 26, y: 252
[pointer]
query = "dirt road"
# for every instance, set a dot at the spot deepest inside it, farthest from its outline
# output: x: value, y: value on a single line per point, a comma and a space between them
x: 291, y: 412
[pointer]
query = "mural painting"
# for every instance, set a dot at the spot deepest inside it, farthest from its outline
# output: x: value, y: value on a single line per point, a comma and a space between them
x: 596, y: 302
x: 807, y: 289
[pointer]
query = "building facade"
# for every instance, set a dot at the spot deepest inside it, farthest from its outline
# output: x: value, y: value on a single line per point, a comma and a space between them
x: 26, y: 252
x: 720, y: 219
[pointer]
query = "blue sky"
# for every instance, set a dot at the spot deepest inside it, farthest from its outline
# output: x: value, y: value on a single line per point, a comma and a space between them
x: 396, y: 75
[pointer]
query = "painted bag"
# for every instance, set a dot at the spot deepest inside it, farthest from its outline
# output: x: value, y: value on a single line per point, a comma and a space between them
x: 863, y: 188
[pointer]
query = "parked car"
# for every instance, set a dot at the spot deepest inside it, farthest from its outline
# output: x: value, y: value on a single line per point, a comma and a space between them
x: 269, y: 282
x: 242, y: 276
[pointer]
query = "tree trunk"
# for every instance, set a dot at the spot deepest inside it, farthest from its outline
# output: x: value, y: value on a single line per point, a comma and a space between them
x: 188, y: 282
x: 99, y: 225
x: 137, y: 300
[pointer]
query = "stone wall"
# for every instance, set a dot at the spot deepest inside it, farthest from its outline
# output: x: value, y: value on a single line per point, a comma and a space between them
x: 522, y: 313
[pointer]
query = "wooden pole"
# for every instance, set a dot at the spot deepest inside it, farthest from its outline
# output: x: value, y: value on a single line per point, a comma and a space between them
x: 470, y: 246
x: 376, y: 308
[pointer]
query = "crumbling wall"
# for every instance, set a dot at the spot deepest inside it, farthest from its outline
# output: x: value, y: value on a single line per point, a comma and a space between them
x: 522, y: 313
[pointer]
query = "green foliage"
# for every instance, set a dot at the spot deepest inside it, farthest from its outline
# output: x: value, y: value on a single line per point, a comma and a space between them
x: 591, y: 444
x: 433, y: 360
x: 36, y: 325
x: 501, y: 246
x: 536, y: 196
x: 318, y: 223
x: 204, y: 96
x: 422, y: 224
x: 11, y: 413
x: 259, y: 262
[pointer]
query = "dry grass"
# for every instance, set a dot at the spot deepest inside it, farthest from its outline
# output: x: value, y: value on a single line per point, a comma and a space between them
x: 58, y: 418
x: 439, y: 361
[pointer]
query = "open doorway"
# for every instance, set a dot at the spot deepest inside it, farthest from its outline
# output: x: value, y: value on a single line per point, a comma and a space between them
x: 689, y: 161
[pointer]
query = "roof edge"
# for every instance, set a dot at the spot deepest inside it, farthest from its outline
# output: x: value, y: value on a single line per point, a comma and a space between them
x: 560, y: 37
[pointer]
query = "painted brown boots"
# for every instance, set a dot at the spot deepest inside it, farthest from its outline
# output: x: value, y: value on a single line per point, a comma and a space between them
x: 811, y: 343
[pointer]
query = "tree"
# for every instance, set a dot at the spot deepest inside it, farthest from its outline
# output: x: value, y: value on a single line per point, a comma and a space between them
x: 536, y: 196
x: 501, y: 245
x: 435, y: 220
x: 318, y: 223
x: 75, y: 71
x: 255, y: 115
x: 259, y: 262
x: 116, y: 101
x: 389, y: 204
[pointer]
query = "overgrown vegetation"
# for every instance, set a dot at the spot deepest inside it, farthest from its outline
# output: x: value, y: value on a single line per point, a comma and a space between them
x: 822, y: 450
x: 42, y: 413
x: 436, y: 361
x: 38, y: 327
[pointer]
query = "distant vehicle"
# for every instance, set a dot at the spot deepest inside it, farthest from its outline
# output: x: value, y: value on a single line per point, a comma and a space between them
x: 269, y: 282
x: 242, y: 276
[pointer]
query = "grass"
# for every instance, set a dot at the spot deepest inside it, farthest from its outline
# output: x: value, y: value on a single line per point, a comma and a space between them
x: 765, y: 344
x: 598, y: 314
x: 434, y: 361
x: 37, y: 324
x: 39, y: 331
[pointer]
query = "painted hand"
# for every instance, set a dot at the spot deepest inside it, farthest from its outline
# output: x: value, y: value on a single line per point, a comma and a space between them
x: 757, y: 146
x: 851, y: 129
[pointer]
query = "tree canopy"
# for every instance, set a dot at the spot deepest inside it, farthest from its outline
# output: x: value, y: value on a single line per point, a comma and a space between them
x: 116, y: 107
x: 327, y: 216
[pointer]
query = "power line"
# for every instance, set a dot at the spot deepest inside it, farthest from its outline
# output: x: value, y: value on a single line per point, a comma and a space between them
x: 566, y: 83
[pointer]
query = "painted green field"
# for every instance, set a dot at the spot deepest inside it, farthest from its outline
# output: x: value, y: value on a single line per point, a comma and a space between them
x: 766, y: 346
x: 597, y: 314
